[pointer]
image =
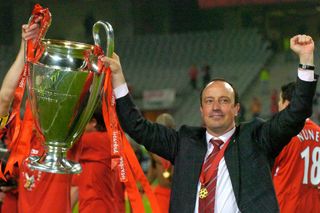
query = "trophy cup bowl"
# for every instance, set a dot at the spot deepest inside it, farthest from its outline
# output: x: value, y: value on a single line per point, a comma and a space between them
x: 64, y: 91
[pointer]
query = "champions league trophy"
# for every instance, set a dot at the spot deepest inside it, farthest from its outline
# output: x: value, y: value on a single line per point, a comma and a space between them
x: 64, y: 87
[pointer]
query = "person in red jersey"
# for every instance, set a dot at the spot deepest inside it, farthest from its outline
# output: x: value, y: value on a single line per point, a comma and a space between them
x: 296, y: 172
x: 8, y: 87
x: 8, y: 190
x: 42, y: 192
x: 37, y: 191
x: 98, y: 186
x: 161, y: 169
x: 11, y: 79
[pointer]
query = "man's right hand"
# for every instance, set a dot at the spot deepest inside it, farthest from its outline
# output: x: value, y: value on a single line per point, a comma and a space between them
x: 30, y: 32
x: 116, y: 70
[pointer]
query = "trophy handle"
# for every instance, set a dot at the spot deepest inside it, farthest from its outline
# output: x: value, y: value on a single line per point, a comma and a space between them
x: 109, y: 34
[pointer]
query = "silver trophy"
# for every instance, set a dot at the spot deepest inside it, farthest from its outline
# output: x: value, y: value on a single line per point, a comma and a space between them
x: 64, y: 88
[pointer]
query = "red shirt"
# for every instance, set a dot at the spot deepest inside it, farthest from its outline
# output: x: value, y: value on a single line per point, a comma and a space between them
x: 99, y: 187
x: 163, y: 197
x: 43, y: 192
x: 296, y: 172
x: 10, y: 202
x: 94, y: 146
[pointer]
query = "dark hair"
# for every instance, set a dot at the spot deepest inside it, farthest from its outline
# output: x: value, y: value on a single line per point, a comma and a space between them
x: 236, y: 96
x: 287, y: 91
x: 97, y: 115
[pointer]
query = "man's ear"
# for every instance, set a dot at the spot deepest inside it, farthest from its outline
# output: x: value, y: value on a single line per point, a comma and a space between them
x: 201, y: 111
x: 237, y: 109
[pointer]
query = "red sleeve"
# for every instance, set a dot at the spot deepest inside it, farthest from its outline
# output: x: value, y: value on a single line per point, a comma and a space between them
x: 75, y: 151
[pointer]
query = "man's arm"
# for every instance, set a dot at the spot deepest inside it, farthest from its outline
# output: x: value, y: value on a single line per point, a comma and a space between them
x: 278, y: 131
x: 12, y: 77
x: 74, y: 195
x: 156, y: 138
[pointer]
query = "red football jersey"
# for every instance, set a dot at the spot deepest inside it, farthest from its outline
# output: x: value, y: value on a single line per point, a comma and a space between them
x: 163, y: 197
x: 100, y: 189
x: 10, y: 202
x: 296, y: 172
x: 43, y: 192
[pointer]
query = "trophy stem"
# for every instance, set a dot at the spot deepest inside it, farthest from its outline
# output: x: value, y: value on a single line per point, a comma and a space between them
x: 54, y: 161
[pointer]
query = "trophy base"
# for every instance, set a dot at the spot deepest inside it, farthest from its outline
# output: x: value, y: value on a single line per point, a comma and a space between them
x: 54, y: 161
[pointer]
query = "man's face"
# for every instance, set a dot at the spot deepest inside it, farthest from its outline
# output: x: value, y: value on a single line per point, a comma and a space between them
x: 282, y: 104
x: 218, y: 109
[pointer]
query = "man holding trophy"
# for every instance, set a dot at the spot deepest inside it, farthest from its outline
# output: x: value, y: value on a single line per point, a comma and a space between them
x: 237, y: 177
x: 11, y: 79
x: 8, y: 87
x: 38, y: 191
